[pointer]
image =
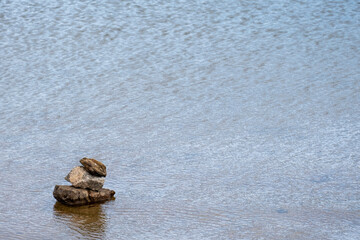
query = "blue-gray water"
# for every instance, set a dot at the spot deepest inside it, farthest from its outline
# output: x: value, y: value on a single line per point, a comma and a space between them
x: 216, y: 119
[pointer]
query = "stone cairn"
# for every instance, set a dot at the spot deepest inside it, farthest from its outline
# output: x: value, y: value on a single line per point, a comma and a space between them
x: 87, y: 182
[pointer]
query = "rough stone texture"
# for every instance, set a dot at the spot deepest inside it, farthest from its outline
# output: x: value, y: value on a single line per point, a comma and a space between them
x: 94, y: 167
x: 72, y: 196
x: 80, y: 178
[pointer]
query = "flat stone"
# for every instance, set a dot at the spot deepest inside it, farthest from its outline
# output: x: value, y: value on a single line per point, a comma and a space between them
x: 80, y: 178
x: 73, y: 196
x: 94, y: 167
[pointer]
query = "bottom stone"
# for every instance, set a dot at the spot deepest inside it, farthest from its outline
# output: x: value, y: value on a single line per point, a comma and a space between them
x: 73, y: 196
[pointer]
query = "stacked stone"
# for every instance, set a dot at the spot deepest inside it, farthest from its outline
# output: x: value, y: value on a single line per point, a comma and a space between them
x: 87, y: 182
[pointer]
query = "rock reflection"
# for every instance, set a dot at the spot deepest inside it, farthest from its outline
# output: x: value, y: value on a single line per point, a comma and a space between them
x: 89, y: 220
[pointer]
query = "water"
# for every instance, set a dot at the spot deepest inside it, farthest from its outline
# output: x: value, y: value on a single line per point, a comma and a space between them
x: 216, y: 119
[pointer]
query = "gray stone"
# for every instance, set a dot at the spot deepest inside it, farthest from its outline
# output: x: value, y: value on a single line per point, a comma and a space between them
x: 72, y: 196
x: 94, y: 167
x: 80, y: 178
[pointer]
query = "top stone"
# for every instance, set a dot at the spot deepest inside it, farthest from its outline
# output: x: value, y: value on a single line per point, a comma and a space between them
x: 94, y: 167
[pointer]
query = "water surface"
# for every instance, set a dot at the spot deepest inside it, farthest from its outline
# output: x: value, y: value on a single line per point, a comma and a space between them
x: 216, y: 119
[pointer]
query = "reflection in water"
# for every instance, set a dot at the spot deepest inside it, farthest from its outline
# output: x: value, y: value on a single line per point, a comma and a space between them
x: 87, y: 220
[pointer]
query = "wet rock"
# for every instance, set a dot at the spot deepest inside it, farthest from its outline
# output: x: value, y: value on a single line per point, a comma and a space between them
x: 73, y: 196
x: 80, y: 178
x: 87, y: 182
x: 94, y: 167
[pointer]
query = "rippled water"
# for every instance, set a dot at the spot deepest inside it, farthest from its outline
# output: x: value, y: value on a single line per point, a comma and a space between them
x: 216, y: 119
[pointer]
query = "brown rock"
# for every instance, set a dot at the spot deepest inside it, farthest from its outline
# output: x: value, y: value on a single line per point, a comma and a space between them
x: 94, y: 167
x: 80, y: 178
x: 72, y: 196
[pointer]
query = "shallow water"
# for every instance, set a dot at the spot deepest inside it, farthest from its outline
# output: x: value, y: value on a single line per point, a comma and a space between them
x: 216, y: 119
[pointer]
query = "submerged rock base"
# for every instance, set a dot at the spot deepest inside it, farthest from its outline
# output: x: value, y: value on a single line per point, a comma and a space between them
x: 73, y: 196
